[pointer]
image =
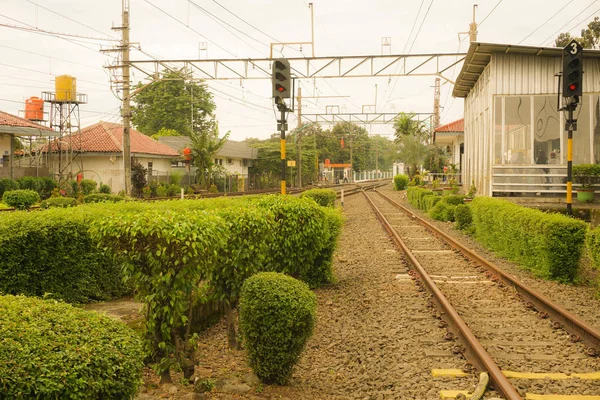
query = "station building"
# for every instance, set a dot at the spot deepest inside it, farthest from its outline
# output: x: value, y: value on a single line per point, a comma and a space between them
x: 514, y: 138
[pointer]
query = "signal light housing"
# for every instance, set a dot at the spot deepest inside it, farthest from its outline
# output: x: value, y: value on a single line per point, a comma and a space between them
x: 281, y: 80
x: 572, y: 69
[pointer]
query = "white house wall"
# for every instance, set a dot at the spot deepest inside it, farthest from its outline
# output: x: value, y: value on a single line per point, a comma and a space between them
x: 4, y: 146
x: 478, y: 117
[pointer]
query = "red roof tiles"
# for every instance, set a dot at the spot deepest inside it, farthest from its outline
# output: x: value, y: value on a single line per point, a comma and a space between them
x: 106, y: 137
x: 7, y: 119
x: 456, y: 126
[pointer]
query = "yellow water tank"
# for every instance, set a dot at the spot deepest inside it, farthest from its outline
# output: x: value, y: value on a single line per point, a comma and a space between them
x: 65, y: 86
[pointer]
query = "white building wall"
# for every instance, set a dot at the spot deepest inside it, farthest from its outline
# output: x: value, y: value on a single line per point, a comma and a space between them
x: 478, y: 117
x: 4, y: 147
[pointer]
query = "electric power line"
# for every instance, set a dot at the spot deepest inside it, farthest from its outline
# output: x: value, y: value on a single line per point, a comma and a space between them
x: 413, y: 27
x: 551, y: 37
x: 421, y: 26
x: 50, y: 57
x: 545, y: 22
x: 490, y: 13
x: 190, y: 28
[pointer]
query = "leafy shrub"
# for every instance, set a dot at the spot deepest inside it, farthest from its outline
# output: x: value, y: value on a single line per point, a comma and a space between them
x: 138, y: 178
x: 305, y: 236
x: 593, y: 245
x: 586, y: 174
x: 453, y: 199
x: 213, y: 189
x: 102, y: 198
x: 43, y: 185
x: 168, y: 254
x: 463, y: 216
x: 442, y: 211
x: 175, y: 179
x: 277, y: 316
x: 7, y: 184
x: 161, y: 191
x: 63, y: 202
x: 323, y: 197
x: 105, y: 189
x: 400, y: 181
x: 51, y: 350
x: 430, y: 201
x: 21, y: 199
x: 550, y: 245
x: 173, y: 190
x: 415, y: 196
x: 52, y: 252
x: 88, y: 186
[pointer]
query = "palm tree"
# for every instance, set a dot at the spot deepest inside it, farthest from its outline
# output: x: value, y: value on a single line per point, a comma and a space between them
x: 411, y: 138
x: 205, y: 145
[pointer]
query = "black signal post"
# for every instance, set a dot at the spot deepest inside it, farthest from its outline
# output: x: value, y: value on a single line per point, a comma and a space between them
x: 281, y: 80
x: 572, y: 88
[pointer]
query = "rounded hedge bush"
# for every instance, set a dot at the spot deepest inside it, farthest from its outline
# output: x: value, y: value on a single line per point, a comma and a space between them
x: 21, y: 199
x: 323, y: 197
x: 277, y: 316
x: 463, y: 216
x: 63, y: 202
x: 102, y: 198
x: 400, y: 181
x: 51, y: 350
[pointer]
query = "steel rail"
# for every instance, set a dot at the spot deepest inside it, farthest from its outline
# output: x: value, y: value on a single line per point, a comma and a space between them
x: 579, y: 329
x: 479, y: 354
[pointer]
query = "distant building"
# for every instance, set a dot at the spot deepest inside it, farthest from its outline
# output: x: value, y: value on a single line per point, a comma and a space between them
x: 450, y: 138
x: 234, y: 157
x: 100, y: 147
x: 515, y: 142
x: 12, y: 127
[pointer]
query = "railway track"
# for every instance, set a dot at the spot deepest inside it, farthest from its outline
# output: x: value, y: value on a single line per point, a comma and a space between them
x: 531, y: 348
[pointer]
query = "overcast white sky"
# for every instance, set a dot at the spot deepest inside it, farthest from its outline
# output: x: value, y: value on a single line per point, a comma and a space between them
x: 29, y: 61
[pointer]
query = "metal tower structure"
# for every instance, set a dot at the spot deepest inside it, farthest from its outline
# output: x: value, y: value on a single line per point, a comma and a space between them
x: 65, y: 120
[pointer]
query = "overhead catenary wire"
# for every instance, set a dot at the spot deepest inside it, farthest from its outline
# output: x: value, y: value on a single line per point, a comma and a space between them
x: 490, y: 13
x: 190, y: 28
x: 552, y: 37
x: 50, y: 57
x: 545, y: 22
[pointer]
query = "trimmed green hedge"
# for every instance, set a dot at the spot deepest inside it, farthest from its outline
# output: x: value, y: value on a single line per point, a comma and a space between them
x: 593, y: 245
x: 42, y: 185
x: 102, y: 198
x: 305, y: 235
x: 550, y: 245
x: 430, y: 201
x: 323, y: 197
x: 51, y: 350
x: 277, y: 316
x: 415, y: 196
x: 21, y: 199
x: 63, y: 202
x: 7, y: 184
x: 463, y: 216
x: 400, y: 181
x: 52, y: 252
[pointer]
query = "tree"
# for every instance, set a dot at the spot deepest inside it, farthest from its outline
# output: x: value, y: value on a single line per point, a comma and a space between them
x: 435, y: 159
x: 411, y: 137
x: 173, y: 102
x: 590, y: 36
x: 205, y: 144
x: 165, y: 132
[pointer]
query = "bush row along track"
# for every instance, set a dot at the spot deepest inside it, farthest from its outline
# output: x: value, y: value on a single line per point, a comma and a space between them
x: 499, y: 327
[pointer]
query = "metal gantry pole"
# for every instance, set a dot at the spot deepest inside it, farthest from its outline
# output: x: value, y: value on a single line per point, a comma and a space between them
x: 281, y: 107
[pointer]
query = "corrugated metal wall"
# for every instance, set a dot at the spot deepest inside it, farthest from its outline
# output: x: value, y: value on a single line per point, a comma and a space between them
x: 508, y: 74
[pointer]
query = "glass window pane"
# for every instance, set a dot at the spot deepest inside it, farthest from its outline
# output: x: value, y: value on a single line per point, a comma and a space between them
x: 498, y: 131
x: 546, y: 130
x: 517, y: 130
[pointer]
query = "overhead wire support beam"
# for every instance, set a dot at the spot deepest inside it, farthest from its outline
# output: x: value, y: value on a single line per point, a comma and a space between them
x: 323, y: 67
x: 359, y: 118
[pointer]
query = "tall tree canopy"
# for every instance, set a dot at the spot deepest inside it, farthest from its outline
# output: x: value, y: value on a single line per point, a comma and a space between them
x: 412, y: 137
x: 205, y: 144
x: 173, y: 103
x: 590, y: 36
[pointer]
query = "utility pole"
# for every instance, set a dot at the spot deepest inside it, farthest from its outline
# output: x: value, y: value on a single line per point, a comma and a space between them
x: 436, y: 103
x: 312, y: 27
x: 298, y: 138
x: 473, y: 27
x: 126, y: 100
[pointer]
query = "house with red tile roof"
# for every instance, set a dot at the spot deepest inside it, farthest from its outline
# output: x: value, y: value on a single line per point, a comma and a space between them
x: 451, y: 138
x: 12, y: 127
x: 100, y: 147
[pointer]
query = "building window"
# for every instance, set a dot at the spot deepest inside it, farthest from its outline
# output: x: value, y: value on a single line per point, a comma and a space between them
x: 230, y: 161
x: 245, y: 162
x: 149, y: 169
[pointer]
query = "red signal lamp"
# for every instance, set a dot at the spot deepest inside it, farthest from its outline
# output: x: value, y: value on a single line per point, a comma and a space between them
x: 572, y: 86
x: 280, y: 88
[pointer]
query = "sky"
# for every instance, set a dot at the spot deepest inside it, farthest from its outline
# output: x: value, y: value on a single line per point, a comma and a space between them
x: 175, y: 29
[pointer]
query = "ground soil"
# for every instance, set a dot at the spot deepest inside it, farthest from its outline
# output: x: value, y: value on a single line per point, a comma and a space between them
x: 374, y: 338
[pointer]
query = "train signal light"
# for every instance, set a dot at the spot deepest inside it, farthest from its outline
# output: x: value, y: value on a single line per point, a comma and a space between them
x: 281, y: 79
x: 572, y: 69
